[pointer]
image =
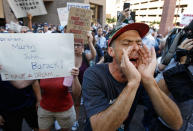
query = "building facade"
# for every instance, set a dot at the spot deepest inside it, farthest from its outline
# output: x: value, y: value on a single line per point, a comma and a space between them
x: 150, y: 11
x: 98, y: 7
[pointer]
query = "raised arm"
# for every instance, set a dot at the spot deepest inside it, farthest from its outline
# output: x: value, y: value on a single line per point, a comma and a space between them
x: 123, y: 15
x: 163, y: 105
x: 29, y: 21
x: 76, y: 87
x: 92, y: 55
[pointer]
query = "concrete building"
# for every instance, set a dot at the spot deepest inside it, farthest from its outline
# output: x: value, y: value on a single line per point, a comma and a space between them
x: 98, y: 7
x: 150, y: 11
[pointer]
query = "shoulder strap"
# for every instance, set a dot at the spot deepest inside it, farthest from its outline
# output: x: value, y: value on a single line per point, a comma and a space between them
x: 167, y: 56
x: 84, y: 58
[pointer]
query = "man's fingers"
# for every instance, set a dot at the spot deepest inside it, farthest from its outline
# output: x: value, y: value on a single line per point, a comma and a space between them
x: 146, y: 50
x: 186, y: 41
x: 123, y: 57
x: 143, y: 52
x: 190, y: 47
x: 140, y: 61
x: 187, y: 46
x: 142, y: 58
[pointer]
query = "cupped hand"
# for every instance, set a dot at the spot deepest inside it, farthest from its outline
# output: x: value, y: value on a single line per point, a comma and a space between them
x: 147, y: 62
x: 129, y: 70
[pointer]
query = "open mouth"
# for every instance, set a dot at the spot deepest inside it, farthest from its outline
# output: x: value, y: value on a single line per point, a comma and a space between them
x: 133, y: 61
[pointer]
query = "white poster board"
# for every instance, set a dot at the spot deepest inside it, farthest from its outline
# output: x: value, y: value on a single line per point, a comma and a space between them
x: 14, y: 27
x: 63, y: 15
x: 36, y: 56
x: 186, y: 19
x: 64, y: 12
x: 22, y: 7
x: 78, y: 5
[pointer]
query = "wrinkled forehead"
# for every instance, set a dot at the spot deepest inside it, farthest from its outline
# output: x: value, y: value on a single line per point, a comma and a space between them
x: 130, y: 34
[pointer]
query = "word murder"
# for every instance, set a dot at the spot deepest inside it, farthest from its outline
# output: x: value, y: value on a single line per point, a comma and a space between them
x: 24, y: 47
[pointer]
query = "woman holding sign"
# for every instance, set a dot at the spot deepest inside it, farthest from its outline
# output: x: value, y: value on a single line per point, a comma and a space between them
x: 56, y: 102
x: 82, y: 60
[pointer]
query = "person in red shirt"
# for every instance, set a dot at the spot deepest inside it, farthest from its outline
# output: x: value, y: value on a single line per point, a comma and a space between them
x: 56, y: 103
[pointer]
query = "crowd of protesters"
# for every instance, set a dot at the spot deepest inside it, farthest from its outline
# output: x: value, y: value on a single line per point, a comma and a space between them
x: 110, y: 79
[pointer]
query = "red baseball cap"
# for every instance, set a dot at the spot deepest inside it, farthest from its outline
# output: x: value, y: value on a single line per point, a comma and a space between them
x: 140, y: 27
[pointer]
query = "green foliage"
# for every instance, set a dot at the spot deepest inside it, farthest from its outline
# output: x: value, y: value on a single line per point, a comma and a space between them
x: 154, y: 23
x: 111, y: 20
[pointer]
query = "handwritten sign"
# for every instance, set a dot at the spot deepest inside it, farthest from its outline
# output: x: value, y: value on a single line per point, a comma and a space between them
x: 79, y: 22
x: 1, y: 9
x: 77, y: 5
x: 36, y: 56
x: 22, y: 7
x: 186, y: 19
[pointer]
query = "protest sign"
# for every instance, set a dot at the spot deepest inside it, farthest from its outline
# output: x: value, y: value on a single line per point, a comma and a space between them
x: 77, y: 5
x: 186, y: 19
x: 64, y: 12
x: 1, y: 9
x: 14, y: 27
x: 22, y: 7
x: 63, y: 15
x: 36, y: 56
x: 79, y: 23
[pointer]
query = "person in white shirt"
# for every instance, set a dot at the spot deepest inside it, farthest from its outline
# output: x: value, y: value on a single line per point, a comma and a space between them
x: 100, y: 39
x: 45, y: 28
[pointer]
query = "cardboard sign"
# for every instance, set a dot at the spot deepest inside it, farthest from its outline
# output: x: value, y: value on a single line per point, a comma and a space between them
x: 22, y: 7
x: 36, y: 56
x: 79, y: 23
x: 1, y: 9
x: 186, y: 19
